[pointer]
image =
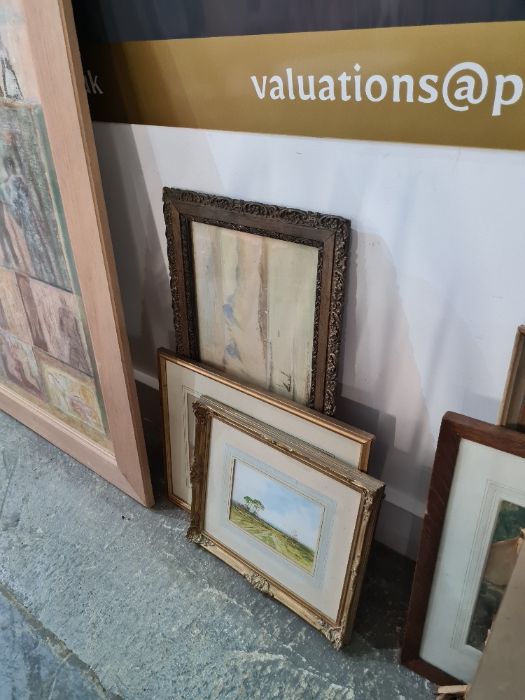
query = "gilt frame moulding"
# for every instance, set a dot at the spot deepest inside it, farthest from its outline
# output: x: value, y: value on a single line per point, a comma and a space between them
x: 512, y: 409
x: 320, y: 581
x: 83, y: 400
x: 230, y: 259
x: 478, y: 472
x: 183, y: 381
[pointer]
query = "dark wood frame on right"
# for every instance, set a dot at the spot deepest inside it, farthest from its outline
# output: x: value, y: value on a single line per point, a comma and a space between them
x: 454, y: 428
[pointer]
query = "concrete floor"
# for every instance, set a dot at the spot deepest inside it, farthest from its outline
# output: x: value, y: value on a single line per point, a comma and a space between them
x: 101, y: 598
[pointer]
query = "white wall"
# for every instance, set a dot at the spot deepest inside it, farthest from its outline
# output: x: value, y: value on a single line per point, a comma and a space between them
x: 436, y: 282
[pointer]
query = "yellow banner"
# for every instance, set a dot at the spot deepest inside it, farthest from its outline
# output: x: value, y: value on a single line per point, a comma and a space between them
x: 448, y: 84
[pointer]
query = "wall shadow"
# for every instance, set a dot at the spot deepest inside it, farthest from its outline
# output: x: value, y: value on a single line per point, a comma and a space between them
x: 140, y: 257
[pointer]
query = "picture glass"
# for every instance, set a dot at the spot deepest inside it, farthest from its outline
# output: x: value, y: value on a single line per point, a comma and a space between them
x: 256, y: 305
x: 505, y: 545
x: 45, y: 347
x: 281, y: 518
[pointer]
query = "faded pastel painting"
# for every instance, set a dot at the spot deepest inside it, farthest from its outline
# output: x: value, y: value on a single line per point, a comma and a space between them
x: 18, y: 365
x: 29, y: 218
x: 11, y: 320
x: 256, y: 307
x: 506, y: 543
x: 72, y: 393
x: 45, y: 349
x: 59, y: 329
x: 275, y: 514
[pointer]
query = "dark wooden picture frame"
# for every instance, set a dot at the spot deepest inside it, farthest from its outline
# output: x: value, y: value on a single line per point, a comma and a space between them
x: 328, y: 234
x: 454, y: 429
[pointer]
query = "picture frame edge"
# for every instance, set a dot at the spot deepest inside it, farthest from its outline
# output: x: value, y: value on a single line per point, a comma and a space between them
x: 81, y: 448
x: 359, y: 435
x: 139, y: 479
x: 368, y: 531
x: 336, y: 315
x: 518, y: 349
x: 306, y: 218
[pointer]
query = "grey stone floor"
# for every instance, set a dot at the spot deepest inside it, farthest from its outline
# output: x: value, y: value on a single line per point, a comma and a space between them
x: 100, y: 597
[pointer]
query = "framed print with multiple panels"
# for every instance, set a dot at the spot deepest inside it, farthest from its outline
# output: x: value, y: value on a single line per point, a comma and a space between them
x: 295, y: 521
x: 183, y: 381
x: 258, y: 292
x: 64, y: 363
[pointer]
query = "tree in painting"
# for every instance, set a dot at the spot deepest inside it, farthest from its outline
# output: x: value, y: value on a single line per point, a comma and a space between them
x: 280, y: 517
x: 253, y: 505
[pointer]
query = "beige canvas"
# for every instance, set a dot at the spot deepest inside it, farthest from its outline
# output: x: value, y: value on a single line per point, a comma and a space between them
x: 245, y: 288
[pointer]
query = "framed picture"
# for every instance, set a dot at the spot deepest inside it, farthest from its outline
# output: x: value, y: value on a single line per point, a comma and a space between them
x: 296, y: 522
x: 65, y: 369
x: 471, y: 536
x: 512, y: 409
x: 183, y: 381
x: 258, y: 292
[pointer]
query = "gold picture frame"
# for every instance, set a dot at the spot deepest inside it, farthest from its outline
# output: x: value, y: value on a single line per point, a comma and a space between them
x: 182, y: 381
x: 317, y: 568
x: 512, y: 408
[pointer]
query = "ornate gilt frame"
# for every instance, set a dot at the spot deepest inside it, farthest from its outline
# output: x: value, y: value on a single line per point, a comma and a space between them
x: 337, y: 631
x: 329, y: 234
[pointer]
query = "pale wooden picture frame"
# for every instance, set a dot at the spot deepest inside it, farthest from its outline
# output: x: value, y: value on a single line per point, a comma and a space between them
x: 58, y: 72
x: 512, y: 408
x: 182, y: 381
x: 328, y: 580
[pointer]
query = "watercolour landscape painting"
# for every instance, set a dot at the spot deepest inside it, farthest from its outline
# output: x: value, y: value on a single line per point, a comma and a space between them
x: 256, y: 299
x: 278, y: 516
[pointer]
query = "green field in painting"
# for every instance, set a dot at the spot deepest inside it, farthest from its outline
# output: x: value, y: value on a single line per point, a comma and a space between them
x: 282, y: 543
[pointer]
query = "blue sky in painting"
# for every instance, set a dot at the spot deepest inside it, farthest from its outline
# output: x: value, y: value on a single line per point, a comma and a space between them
x: 284, y: 508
